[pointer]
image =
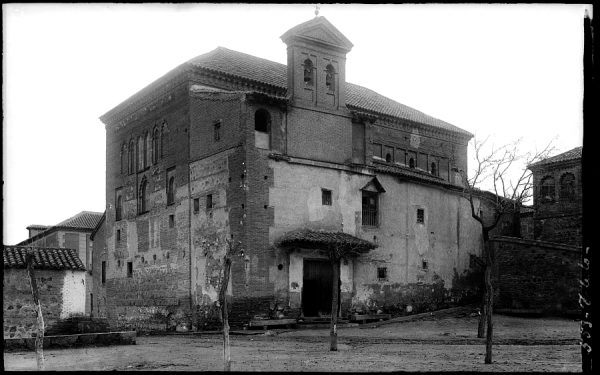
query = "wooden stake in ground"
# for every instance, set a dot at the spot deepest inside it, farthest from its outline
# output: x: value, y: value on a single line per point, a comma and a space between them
x: 231, y: 249
x: 224, y: 314
x: 39, y: 338
x: 335, y: 265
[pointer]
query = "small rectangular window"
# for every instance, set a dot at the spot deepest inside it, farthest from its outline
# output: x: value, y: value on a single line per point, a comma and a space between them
x: 382, y: 273
x: 171, y: 221
x: 209, y: 202
x: 326, y: 197
x: 425, y: 264
x: 217, y: 130
x: 196, y: 205
x: 420, y: 216
x: 129, y: 269
x: 103, y: 272
x: 118, y: 235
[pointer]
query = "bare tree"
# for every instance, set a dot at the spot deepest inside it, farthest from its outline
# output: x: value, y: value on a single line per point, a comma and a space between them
x: 232, y: 250
x: 505, y: 168
x: 39, y: 338
x: 336, y: 252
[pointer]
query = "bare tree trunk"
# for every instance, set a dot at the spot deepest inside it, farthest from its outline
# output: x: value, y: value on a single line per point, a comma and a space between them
x: 334, y: 304
x: 39, y: 338
x: 482, y: 315
x: 224, y: 315
x: 489, y: 303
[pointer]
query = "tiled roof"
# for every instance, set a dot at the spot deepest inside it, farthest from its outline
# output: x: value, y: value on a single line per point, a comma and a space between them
x: 83, y: 220
x: 36, y: 226
x: 44, y: 258
x: 324, y: 238
x: 238, y: 64
x: 565, y: 156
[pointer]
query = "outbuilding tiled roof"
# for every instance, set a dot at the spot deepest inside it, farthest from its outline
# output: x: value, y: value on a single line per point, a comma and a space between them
x: 83, y: 220
x: 565, y: 156
x: 44, y: 258
x: 238, y: 64
x: 325, y: 238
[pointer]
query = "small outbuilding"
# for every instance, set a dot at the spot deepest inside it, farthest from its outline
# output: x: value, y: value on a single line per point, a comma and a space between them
x: 60, y: 276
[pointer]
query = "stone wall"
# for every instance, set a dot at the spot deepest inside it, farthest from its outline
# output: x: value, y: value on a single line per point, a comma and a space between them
x: 62, y: 294
x: 537, y: 275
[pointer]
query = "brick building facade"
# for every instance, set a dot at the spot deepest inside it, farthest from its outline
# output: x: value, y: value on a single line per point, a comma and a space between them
x: 229, y: 146
x: 558, y: 200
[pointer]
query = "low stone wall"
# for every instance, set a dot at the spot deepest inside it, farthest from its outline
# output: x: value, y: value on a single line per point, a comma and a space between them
x: 537, y: 275
x: 20, y: 311
x: 68, y: 341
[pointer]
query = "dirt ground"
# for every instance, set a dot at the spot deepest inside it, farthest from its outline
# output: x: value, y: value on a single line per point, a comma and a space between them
x: 447, y: 344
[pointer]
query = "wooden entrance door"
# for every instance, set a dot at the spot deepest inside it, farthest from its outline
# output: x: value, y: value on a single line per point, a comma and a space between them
x: 317, y: 285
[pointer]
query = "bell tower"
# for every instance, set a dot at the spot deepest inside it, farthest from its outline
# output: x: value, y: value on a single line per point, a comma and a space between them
x: 316, y: 64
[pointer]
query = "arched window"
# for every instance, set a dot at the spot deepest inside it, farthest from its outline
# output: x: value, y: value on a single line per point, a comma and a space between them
x: 330, y: 77
x: 308, y: 72
x: 411, y: 163
x: 131, y: 156
x: 434, y: 170
x: 164, y: 133
x: 262, y: 129
x: 155, y: 145
x: 567, y: 186
x: 547, y: 189
x: 148, y: 159
x: 118, y: 205
x: 141, y: 153
x: 123, y: 159
x: 171, y: 190
x: 143, y: 197
x: 388, y: 157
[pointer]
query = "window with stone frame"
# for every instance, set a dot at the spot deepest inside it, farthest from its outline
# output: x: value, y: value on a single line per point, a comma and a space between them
x: 164, y: 138
x: 330, y: 77
x: 155, y: 145
x: 148, y: 154
x: 382, y: 273
x: 370, y: 203
x: 143, y: 197
x: 567, y: 186
x: 326, y: 197
x: 131, y: 153
x: 262, y: 129
x: 217, y: 131
x: 170, y: 186
x: 118, y: 204
x: 141, y: 153
x: 308, y: 72
x: 547, y: 189
x: 123, y: 159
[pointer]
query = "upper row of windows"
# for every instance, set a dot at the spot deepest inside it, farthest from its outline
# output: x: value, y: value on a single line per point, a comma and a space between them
x: 547, y: 190
x: 137, y: 155
x: 408, y: 158
x: 309, y: 75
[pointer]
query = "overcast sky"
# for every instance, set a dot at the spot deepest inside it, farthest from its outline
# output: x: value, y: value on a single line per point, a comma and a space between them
x: 507, y: 71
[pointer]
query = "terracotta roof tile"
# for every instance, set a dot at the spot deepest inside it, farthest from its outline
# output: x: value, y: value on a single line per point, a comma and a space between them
x: 44, y: 258
x: 565, y: 156
x: 268, y: 72
x: 324, y: 238
x: 83, y: 220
